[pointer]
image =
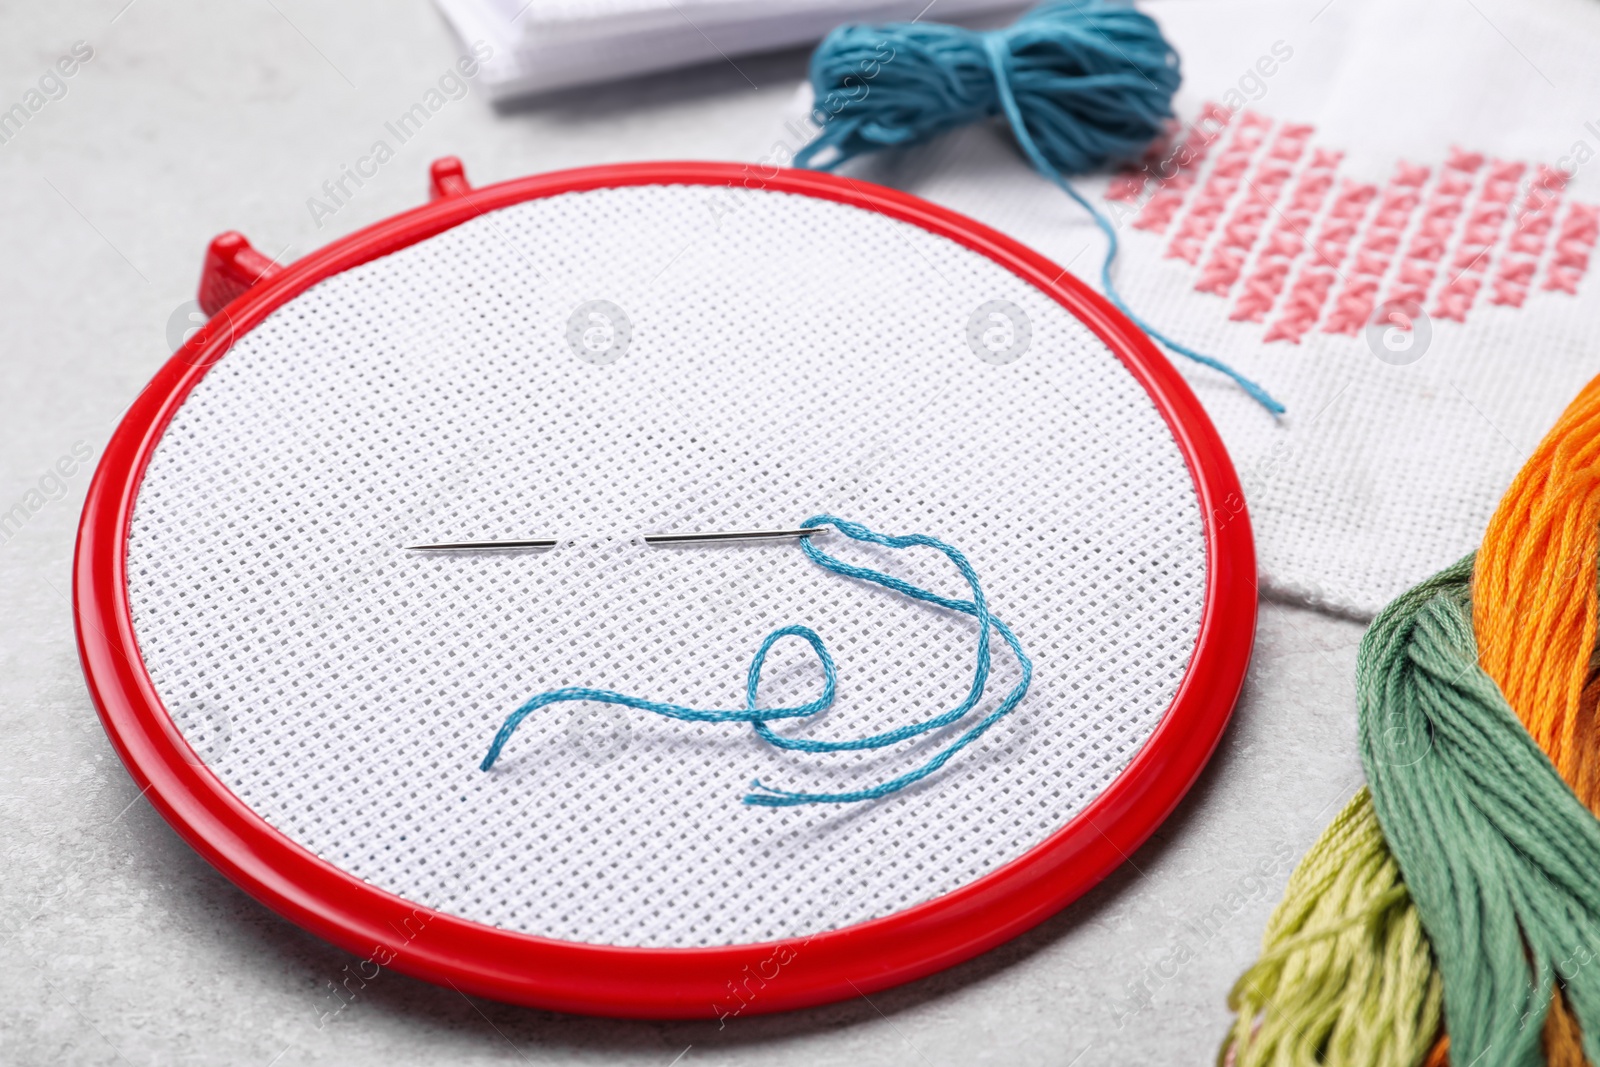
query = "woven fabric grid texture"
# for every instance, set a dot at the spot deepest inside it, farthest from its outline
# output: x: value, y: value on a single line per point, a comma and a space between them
x: 791, y: 356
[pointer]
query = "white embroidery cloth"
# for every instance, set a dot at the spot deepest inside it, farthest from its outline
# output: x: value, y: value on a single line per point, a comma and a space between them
x: 646, y: 363
x: 1358, y: 152
x: 541, y: 45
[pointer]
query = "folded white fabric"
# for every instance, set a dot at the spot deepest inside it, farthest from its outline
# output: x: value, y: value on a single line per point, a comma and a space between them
x: 1346, y: 156
x: 541, y: 45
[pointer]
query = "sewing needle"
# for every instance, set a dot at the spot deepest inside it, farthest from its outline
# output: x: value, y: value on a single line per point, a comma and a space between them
x: 451, y: 546
x: 728, y: 535
x: 693, y: 538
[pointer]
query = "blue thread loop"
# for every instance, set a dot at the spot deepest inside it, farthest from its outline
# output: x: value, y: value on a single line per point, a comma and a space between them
x: 1083, y: 83
x: 759, y: 717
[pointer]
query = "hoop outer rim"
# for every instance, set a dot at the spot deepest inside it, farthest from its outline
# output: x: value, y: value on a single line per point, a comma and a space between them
x: 715, y: 982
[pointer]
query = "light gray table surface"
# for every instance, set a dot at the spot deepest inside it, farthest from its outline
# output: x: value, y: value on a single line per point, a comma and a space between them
x: 118, y: 944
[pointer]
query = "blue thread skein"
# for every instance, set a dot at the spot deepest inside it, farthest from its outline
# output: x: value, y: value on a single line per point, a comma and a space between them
x: 977, y: 607
x: 1083, y: 84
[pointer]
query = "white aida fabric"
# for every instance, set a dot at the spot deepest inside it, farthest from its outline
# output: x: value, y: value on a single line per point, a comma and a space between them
x: 540, y: 45
x: 785, y: 357
x: 1434, y: 123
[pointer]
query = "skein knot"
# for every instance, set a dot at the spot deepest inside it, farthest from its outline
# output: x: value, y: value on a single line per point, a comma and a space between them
x: 1092, y: 81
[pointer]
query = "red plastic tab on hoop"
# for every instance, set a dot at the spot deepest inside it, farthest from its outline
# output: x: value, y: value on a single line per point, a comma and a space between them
x: 447, y: 177
x: 231, y: 267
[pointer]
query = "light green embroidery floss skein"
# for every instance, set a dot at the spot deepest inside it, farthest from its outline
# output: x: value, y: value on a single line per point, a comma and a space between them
x: 1345, y: 974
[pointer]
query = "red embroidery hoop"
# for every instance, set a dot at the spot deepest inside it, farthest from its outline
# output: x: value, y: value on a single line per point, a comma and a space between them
x: 240, y: 288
